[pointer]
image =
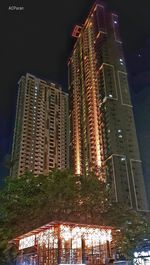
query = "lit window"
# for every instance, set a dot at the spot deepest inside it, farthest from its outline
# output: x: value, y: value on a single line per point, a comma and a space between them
x: 120, y: 136
x: 110, y: 96
x: 121, y: 61
x: 123, y: 159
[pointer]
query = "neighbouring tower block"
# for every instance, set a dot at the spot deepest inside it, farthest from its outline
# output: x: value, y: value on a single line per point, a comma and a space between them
x: 41, y: 131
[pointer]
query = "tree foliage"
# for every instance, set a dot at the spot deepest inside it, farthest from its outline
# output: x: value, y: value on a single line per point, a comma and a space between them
x: 31, y: 201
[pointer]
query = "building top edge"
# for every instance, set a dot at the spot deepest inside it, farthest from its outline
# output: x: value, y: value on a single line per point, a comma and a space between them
x: 42, y: 80
x: 96, y: 3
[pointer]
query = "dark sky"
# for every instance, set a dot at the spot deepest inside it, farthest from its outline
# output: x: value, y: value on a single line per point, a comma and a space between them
x: 38, y: 40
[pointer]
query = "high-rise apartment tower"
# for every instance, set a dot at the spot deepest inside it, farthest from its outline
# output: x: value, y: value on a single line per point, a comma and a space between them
x: 103, y: 134
x: 41, y: 132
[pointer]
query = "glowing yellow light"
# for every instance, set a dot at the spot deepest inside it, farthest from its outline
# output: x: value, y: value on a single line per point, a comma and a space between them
x: 65, y: 232
x: 92, y: 236
x: 47, y: 238
x: 78, y: 157
x: 27, y: 242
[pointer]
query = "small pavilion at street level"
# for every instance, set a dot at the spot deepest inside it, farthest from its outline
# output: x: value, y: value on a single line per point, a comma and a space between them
x: 62, y: 243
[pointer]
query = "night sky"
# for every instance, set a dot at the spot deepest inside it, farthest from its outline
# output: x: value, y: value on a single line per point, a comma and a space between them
x: 38, y: 40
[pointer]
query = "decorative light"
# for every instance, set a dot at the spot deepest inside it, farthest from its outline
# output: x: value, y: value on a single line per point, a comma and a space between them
x: 65, y: 232
x: 92, y: 236
x: 49, y: 237
x: 27, y: 242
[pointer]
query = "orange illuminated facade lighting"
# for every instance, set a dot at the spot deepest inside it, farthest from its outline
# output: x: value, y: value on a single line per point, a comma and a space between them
x: 103, y: 137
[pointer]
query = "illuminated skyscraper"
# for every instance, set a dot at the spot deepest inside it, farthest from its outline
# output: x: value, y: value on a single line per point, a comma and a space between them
x: 103, y: 134
x: 40, y: 140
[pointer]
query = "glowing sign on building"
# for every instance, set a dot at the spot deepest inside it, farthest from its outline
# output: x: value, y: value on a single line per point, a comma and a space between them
x: 142, y: 257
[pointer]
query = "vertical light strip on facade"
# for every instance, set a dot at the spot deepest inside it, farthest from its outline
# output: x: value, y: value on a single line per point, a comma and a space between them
x: 76, y: 111
x: 94, y: 97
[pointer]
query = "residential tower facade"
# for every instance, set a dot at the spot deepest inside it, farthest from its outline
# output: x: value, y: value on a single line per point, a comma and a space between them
x: 103, y: 135
x: 41, y: 131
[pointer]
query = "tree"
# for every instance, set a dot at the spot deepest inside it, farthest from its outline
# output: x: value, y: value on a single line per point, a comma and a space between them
x: 8, y: 162
x: 31, y: 201
x: 132, y: 228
